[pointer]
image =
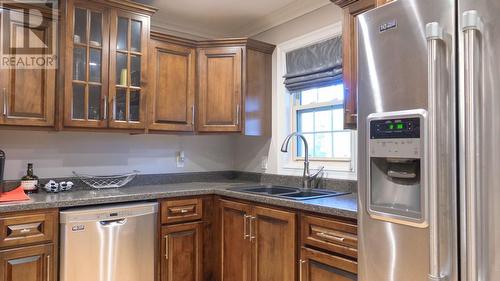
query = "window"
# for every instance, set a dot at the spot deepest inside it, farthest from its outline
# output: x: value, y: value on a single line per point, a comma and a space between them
x: 318, y: 114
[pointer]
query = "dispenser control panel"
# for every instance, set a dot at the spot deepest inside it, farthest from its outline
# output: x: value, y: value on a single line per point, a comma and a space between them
x: 395, y: 137
x: 395, y: 128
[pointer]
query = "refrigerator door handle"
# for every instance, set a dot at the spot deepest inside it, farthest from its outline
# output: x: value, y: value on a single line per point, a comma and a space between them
x: 472, y: 27
x: 435, y: 39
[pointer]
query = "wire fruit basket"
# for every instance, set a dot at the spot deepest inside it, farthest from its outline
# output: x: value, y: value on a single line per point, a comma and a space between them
x: 101, y: 182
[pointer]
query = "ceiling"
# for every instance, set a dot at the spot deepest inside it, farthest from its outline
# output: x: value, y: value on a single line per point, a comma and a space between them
x: 227, y: 18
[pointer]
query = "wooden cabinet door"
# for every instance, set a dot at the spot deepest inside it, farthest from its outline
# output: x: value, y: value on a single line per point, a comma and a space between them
x: 349, y: 36
x: 319, y: 266
x: 86, y: 66
x: 171, y: 87
x: 236, y: 248
x: 129, y: 37
x: 27, y: 94
x: 273, y: 236
x: 35, y: 263
x: 220, y: 89
x: 182, y: 252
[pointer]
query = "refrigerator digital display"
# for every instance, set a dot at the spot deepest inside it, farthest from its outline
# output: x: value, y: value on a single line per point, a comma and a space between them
x: 395, y: 128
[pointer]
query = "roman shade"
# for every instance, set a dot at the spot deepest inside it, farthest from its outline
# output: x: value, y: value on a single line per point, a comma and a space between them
x: 314, y: 66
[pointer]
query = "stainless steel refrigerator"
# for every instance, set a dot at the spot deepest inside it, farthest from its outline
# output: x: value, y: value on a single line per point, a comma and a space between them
x: 429, y: 131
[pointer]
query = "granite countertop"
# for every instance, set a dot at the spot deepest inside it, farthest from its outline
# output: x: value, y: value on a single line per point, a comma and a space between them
x: 344, y: 205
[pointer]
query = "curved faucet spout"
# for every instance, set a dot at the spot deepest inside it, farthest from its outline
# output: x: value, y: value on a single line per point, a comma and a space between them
x: 307, y: 178
x: 284, y: 146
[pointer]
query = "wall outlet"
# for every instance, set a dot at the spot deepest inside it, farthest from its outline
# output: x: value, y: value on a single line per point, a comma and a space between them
x: 180, y: 159
x: 263, y: 163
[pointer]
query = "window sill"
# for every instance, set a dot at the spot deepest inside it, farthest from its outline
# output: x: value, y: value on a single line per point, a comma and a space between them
x: 331, y: 171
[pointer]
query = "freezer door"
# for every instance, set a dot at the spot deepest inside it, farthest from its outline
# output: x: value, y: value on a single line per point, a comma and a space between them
x: 111, y: 244
x: 479, y: 94
x: 406, y: 64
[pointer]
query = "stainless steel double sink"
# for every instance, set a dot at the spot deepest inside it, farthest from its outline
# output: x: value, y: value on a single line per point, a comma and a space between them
x: 288, y: 192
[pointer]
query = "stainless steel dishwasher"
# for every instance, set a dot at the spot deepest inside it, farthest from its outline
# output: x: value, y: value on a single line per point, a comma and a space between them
x: 109, y: 243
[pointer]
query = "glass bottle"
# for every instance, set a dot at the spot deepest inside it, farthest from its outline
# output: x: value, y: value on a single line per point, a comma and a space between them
x: 30, y: 182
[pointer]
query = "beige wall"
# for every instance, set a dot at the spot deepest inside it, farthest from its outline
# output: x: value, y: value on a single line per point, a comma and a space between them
x: 57, y: 154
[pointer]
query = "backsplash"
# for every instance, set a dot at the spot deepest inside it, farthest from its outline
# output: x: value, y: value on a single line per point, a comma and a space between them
x: 57, y: 154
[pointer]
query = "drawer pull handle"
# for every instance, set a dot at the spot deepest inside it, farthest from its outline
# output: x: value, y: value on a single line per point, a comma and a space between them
x: 301, y: 265
x: 48, y: 267
x: 245, y: 226
x: 330, y: 237
x: 252, y: 228
x: 184, y: 210
x: 25, y: 230
x: 166, y: 247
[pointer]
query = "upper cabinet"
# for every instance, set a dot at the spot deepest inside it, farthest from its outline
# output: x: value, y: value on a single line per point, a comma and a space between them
x: 220, y: 89
x: 172, y: 78
x: 352, y: 8
x: 127, y: 69
x: 106, y: 61
x: 234, y: 86
x: 27, y: 94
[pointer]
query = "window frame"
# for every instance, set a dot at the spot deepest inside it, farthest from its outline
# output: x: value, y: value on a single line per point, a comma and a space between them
x: 294, y: 108
x: 283, y: 163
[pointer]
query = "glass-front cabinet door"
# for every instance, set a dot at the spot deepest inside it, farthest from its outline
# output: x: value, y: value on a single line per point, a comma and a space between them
x: 86, y: 75
x: 128, y: 58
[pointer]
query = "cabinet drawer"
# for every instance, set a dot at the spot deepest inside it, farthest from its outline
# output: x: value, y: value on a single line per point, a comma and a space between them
x: 174, y: 211
x: 318, y: 266
x: 27, y: 228
x: 331, y: 235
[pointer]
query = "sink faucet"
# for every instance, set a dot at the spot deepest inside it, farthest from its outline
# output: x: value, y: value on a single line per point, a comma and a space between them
x: 307, y: 178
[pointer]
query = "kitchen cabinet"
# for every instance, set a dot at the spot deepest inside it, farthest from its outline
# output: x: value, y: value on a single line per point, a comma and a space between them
x: 273, y: 248
x: 27, y: 96
x: 234, y: 86
x: 182, y: 228
x: 236, y: 248
x: 106, y: 61
x: 352, y: 8
x: 182, y: 210
x: 220, y: 89
x: 28, y: 246
x: 127, y: 70
x: 333, y: 235
x: 319, y: 266
x: 258, y: 243
x: 328, y: 249
x: 33, y: 263
x: 182, y: 252
x: 172, y: 64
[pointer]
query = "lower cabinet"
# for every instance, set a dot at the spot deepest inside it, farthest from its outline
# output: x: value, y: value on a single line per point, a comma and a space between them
x: 258, y: 243
x: 319, y: 266
x: 182, y: 252
x: 34, y: 263
x: 236, y: 247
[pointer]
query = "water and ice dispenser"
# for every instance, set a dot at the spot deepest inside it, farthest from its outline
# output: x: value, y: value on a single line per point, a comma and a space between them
x: 397, y: 163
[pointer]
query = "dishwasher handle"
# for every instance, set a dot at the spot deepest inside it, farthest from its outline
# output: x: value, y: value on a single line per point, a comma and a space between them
x: 110, y: 223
